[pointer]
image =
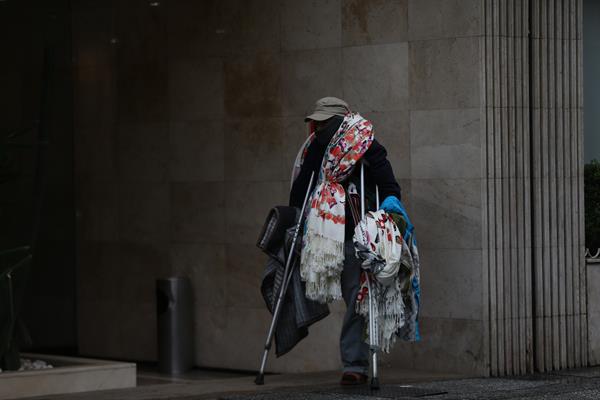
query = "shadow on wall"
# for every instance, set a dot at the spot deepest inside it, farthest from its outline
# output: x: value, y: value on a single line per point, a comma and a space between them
x: 36, y: 208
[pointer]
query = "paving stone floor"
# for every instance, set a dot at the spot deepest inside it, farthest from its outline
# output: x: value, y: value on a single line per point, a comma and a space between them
x: 574, y: 384
x: 401, y: 385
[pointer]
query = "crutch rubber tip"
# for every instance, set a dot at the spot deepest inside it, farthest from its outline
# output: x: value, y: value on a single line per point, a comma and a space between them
x: 374, y: 383
x: 260, y: 379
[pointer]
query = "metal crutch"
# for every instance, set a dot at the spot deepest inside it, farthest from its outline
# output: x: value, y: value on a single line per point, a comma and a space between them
x: 287, y: 273
x: 373, y: 328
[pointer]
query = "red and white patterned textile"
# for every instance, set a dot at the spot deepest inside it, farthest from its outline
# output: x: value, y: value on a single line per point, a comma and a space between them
x: 322, y: 256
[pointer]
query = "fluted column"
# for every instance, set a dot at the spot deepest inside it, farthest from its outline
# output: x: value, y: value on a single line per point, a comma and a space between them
x: 533, y: 211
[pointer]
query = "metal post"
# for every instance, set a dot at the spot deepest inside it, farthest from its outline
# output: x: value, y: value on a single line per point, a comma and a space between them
x: 260, y: 378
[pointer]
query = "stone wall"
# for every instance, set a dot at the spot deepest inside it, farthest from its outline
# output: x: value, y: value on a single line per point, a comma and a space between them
x: 445, y: 185
x: 188, y: 116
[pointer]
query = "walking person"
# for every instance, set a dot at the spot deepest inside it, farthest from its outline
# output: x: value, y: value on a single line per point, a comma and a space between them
x: 339, y: 142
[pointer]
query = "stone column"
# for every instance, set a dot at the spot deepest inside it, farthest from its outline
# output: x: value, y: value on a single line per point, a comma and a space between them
x: 534, y: 269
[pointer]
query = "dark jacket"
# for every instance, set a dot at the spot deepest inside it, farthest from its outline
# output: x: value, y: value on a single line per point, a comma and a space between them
x: 378, y: 171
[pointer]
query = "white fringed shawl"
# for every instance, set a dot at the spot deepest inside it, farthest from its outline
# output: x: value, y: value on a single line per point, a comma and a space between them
x: 378, y: 242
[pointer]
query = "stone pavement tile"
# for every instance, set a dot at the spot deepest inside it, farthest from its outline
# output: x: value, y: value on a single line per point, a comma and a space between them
x: 480, y: 388
x: 535, y: 387
x: 148, y: 374
x: 387, y: 391
x: 396, y: 384
x: 298, y: 396
x: 483, y: 388
x: 281, y: 386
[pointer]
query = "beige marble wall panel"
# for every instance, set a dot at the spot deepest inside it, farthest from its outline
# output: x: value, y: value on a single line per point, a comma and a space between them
x: 247, y: 205
x: 98, y: 210
x: 138, y: 331
x: 143, y: 152
x: 196, y: 29
x: 144, y: 212
x: 254, y: 150
x: 443, y: 73
x: 198, y: 212
x: 250, y: 27
x: 447, y: 213
x: 204, y: 265
x: 295, y: 132
x: 244, y: 268
x: 141, y: 35
x: 444, y: 275
x: 99, y: 339
x: 375, y: 78
x: 142, y: 92
x: 392, y: 130
x: 98, y: 266
x: 196, y: 89
x: 309, y: 75
x: 140, y: 265
x: 435, y: 19
x: 374, y: 22
x: 310, y: 24
x: 433, y: 353
x: 222, y: 28
x: 197, y: 151
x: 445, y: 144
x: 253, y: 86
x: 243, y: 330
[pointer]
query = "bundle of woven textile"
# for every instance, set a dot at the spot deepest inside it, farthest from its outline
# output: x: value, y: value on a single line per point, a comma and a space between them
x: 392, y: 263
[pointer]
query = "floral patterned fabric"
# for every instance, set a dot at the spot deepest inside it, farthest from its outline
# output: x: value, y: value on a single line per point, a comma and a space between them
x: 378, y: 242
x: 322, y: 256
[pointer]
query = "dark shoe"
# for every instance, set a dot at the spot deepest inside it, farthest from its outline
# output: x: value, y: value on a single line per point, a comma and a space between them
x: 353, y: 378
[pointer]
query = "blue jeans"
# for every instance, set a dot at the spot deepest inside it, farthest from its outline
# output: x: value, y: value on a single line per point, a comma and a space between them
x: 353, y: 349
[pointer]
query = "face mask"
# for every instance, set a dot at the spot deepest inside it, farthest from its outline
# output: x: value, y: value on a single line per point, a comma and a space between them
x: 328, y: 128
x: 325, y: 125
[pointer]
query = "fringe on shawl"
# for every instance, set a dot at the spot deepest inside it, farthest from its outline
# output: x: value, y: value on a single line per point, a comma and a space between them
x: 388, y: 313
x: 321, y: 265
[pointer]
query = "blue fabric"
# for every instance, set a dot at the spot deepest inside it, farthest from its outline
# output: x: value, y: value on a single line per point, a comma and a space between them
x: 417, y: 290
x: 392, y: 204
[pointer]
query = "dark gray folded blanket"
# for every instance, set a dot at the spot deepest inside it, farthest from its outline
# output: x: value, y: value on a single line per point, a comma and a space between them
x: 298, y: 312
